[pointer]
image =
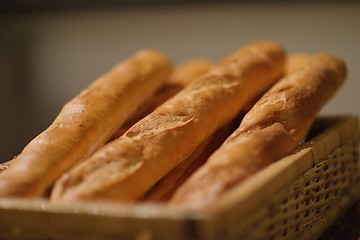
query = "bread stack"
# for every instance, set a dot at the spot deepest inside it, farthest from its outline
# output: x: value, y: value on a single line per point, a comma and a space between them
x: 183, y: 135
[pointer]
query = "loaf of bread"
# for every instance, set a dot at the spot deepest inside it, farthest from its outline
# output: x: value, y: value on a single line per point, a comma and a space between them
x: 182, y: 76
x: 129, y: 166
x: 274, y: 127
x: 85, y: 123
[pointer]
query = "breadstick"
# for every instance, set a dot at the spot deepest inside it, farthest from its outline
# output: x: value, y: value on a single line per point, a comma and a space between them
x: 85, y: 123
x: 126, y: 168
x: 182, y: 76
x: 274, y: 127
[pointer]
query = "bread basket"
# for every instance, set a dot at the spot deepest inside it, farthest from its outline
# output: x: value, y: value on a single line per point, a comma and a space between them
x: 297, y: 197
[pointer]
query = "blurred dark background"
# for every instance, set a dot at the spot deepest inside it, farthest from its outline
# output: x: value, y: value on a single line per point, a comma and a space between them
x: 50, y: 50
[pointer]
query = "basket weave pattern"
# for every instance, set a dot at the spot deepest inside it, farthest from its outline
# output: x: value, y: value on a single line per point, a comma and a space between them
x: 299, y: 208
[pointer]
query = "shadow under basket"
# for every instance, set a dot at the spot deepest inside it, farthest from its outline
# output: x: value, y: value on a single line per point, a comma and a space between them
x: 297, y: 197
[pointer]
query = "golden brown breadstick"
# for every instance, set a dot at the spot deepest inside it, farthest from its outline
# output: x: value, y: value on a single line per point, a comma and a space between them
x: 85, y: 123
x: 182, y: 76
x: 274, y: 127
x: 126, y: 168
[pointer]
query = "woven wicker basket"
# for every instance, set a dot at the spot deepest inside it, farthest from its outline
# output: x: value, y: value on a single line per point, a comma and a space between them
x: 297, y: 197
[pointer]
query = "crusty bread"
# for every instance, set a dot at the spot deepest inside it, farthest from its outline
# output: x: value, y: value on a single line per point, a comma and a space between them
x: 85, y: 123
x: 274, y: 127
x: 182, y: 76
x: 126, y: 168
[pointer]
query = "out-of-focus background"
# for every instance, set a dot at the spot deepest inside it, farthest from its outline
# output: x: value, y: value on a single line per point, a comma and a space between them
x: 50, y: 51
